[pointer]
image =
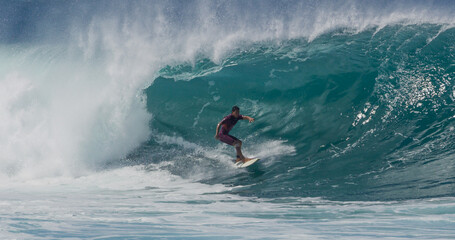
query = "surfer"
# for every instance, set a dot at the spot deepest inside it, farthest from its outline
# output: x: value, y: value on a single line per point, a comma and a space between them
x: 226, y: 125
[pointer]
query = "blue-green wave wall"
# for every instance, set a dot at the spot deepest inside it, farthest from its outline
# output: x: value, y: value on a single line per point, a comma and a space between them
x: 370, y: 114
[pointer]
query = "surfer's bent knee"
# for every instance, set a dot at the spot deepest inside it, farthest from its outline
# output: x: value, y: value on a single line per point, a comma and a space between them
x: 238, y: 143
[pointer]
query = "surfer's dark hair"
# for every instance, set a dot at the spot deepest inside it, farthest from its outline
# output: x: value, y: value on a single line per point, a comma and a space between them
x: 235, y: 108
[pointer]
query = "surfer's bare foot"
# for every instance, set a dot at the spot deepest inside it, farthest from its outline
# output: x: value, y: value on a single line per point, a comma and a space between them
x: 246, y: 159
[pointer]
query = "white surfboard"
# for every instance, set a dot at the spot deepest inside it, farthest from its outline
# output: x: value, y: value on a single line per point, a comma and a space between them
x: 246, y: 164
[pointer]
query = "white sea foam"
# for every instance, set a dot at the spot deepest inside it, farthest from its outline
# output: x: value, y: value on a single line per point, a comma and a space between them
x: 132, y: 202
x: 61, y: 117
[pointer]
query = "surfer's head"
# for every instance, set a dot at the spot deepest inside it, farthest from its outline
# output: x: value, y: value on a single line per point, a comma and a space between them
x: 235, y: 111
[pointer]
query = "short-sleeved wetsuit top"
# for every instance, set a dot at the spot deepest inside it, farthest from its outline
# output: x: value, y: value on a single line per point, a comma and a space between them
x: 228, y: 123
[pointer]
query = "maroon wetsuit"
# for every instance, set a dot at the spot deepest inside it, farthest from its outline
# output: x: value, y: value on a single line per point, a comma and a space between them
x: 228, y: 123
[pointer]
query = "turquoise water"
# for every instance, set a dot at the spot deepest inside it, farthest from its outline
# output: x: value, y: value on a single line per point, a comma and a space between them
x: 108, y: 113
x: 368, y: 115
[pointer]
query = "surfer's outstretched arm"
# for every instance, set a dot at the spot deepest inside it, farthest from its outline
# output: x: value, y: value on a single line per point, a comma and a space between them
x: 250, y: 119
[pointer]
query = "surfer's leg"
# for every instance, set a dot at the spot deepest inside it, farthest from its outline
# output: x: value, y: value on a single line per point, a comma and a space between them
x: 238, y: 149
x: 233, y: 141
x: 228, y: 139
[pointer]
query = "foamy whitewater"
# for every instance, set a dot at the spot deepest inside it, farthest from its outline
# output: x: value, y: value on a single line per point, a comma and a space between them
x: 108, y: 112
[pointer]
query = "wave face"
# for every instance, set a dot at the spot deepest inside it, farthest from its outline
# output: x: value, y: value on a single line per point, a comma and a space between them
x: 346, y: 116
x: 352, y: 100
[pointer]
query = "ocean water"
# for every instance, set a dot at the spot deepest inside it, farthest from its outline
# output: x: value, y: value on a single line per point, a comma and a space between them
x: 108, y: 112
